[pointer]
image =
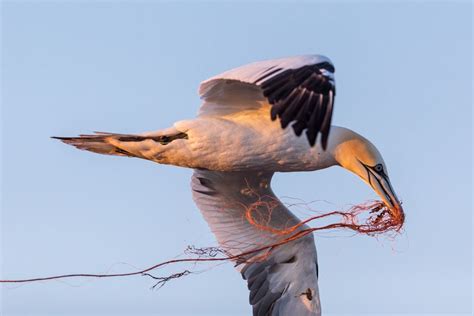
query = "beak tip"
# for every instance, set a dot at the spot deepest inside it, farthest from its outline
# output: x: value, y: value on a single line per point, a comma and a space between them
x: 398, y: 214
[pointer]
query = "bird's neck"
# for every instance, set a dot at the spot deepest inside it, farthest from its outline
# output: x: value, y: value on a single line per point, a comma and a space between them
x: 343, y: 143
x: 338, y: 139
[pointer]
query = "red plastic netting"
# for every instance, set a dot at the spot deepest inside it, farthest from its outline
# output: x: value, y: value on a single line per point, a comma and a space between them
x: 371, y: 218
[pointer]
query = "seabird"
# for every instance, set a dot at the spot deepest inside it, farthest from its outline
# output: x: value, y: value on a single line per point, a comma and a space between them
x: 256, y: 120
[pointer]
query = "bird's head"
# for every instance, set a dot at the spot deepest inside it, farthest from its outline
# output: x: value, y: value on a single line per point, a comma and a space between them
x: 356, y: 154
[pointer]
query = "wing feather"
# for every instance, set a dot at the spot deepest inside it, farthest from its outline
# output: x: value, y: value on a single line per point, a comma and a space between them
x: 285, y: 282
x: 300, y: 90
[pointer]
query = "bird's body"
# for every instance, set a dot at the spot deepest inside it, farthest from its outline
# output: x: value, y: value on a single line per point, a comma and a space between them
x: 240, y: 138
x: 235, y: 142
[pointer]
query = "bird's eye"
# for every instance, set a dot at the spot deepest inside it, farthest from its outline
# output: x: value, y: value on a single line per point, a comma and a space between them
x: 378, y: 168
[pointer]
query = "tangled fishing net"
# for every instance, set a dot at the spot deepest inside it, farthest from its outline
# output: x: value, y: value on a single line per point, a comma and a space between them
x: 378, y: 219
x: 370, y: 218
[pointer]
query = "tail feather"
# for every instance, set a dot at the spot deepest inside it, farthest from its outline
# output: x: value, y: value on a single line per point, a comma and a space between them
x: 117, y: 144
x: 95, y: 143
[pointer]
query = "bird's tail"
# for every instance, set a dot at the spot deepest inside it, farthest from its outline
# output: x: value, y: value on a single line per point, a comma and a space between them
x: 141, y: 146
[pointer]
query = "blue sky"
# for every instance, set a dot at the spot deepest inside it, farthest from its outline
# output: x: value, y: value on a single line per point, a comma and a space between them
x: 404, y: 80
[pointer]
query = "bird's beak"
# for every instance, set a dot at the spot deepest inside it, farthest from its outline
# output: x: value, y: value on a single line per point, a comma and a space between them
x: 382, y: 186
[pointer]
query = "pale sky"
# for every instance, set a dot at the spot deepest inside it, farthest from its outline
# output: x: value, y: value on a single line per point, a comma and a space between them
x: 404, y: 80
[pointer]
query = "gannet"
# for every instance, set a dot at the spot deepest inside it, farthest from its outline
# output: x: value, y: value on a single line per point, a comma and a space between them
x: 255, y: 120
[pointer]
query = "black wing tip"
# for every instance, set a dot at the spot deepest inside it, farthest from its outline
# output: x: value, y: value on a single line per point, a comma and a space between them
x: 324, y: 144
x: 327, y: 66
x: 290, y: 93
x: 284, y: 123
x: 312, y: 139
x: 62, y: 138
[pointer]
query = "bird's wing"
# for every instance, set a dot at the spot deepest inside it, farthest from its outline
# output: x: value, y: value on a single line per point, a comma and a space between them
x: 300, y: 90
x: 282, y: 281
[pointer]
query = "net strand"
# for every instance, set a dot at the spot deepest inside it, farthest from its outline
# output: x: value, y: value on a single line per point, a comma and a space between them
x: 380, y: 220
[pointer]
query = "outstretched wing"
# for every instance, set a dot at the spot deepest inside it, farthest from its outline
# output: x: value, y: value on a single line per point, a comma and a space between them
x: 300, y: 90
x: 244, y: 214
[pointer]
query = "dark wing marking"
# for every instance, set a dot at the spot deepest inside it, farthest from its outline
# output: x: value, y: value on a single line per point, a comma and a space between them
x: 282, y: 283
x: 304, y: 96
x: 299, y: 89
x: 261, y: 297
